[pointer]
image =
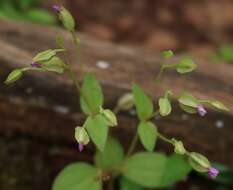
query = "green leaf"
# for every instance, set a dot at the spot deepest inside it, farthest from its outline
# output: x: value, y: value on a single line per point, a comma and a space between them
x: 126, y: 184
x: 145, y: 169
x: 46, y: 55
x: 198, y: 162
x: 55, y: 64
x: 185, y: 66
x: 219, y: 105
x: 112, y: 156
x: 14, y: 76
x: 177, y: 168
x: 164, y: 106
x: 168, y: 54
x: 98, y: 130
x: 92, y: 91
x: 188, y: 100
x: 226, y: 53
x: 148, y: 134
x: 109, y: 116
x: 188, y: 109
x: 144, y: 105
x: 155, y: 170
x: 67, y: 19
x: 40, y: 16
x: 78, y: 176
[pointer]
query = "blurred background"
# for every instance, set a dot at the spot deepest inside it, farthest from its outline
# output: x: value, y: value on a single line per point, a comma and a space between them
x: 201, y: 28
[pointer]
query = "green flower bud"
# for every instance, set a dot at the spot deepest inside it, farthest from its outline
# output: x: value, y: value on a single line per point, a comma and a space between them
x: 126, y: 102
x: 199, y: 162
x: 109, y: 116
x: 67, y: 19
x: 81, y: 135
x: 178, y: 147
x: 168, y: 54
x: 14, y: 76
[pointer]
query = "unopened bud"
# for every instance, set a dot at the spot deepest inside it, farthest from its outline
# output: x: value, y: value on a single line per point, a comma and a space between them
x: 178, y: 147
x: 81, y: 137
x: 126, y: 102
x: 109, y: 116
x: 199, y: 162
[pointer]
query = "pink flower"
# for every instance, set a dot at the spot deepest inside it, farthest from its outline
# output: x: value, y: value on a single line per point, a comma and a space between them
x: 80, y: 147
x: 213, y: 172
x: 56, y: 8
x: 201, y: 110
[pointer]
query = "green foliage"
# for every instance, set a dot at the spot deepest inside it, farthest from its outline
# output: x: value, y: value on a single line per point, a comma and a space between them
x: 81, y: 135
x: 14, y: 76
x: 55, y: 64
x: 109, y: 116
x: 225, y: 53
x: 91, y: 99
x: 143, y: 103
x: 112, y: 156
x: 188, y: 102
x: 168, y: 54
x: 67, y: 19
x: 185, y: 66
x: 198, y: 162
x: 97, y: 129
x: 164, y: 106
x: 80, y: 176
x: 147, y: 132
x: 152, y: 170
x: 126, y: 184
x: 26, y: 10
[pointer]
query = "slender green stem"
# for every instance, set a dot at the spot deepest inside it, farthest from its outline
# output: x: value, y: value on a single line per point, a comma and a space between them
x: 132, y: 145
x: 162, y: 137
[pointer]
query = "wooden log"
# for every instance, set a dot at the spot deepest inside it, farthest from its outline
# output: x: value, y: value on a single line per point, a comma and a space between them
x: 45, y: 106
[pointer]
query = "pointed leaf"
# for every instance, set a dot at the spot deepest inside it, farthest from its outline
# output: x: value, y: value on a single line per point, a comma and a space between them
x: 143, y: 103
x: 78, y: 176
x: 98, y: 130
x: 148, y: 134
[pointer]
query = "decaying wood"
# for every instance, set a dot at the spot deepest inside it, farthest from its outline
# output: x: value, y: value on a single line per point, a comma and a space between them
x: 45, y: 106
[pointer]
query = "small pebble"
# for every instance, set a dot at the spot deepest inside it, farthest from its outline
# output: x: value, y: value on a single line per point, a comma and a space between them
x: 61, y: 109
x: 102, y: 64
x: 219, y: 124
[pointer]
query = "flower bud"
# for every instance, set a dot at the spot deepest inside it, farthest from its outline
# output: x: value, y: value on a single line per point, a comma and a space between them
x: 81, y: 137
x: 67, y: 19
x: 201, y: 110
x: 56, y: 8
x: 213, y: 172
x: 14, y: 76
x: 199, y: 162
x: 109, y: 116
x: 178, y: 147
x: 126, y: 102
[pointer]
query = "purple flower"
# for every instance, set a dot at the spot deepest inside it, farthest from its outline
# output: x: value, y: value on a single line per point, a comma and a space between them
x: 56, y: 8
x: 80, y: 147
x: 201, y: 110
x: 213, y: 172
x: 35, y: 64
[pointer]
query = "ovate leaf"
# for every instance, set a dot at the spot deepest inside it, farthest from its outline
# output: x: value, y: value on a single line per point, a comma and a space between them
x: 92, y: 91
x: 79, y: 176
x: 98, y: 130
x: 143, y: 103
x: 112, y: 156
x: 14, y: 76
x: 177, y: 168
x: 126, y: 184
x: 145, y: 169
x: 148, y: 134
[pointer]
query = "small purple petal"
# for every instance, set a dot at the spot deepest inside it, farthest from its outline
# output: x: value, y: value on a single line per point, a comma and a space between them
x: 213, y: 172
x: 201, y: 110
x: 35, y: 64
x: 56, y: 8
x: 80, y: 147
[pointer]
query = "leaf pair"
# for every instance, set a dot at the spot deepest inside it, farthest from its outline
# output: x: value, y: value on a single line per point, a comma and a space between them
x: 147, y: 131
x: 99, y: 119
